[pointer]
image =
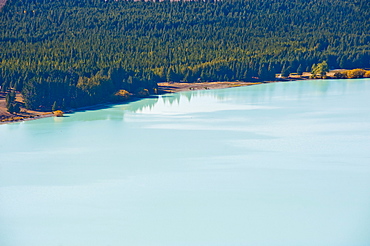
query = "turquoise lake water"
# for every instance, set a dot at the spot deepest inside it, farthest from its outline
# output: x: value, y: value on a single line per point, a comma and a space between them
x: 282, y: 164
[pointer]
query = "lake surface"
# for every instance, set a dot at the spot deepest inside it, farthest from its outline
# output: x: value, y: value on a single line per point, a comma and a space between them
x: 267, y: 165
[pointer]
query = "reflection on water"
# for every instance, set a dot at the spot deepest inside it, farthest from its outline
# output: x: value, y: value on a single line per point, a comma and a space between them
x: 231, y: 98
x: 209, y: 100
x: 275, y: 164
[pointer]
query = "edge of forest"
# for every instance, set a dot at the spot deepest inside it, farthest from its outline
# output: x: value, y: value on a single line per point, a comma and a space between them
x: 163, y: 88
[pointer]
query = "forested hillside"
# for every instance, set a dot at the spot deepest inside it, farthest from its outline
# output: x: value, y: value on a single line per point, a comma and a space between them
x: 80, y: 52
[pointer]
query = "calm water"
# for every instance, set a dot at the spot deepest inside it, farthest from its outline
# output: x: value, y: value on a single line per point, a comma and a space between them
x: 267, y: 165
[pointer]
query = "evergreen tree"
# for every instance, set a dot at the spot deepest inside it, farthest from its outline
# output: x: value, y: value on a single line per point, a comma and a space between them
x: 10, y: 108
x: 54, y: 107
x: 10, y: 99
x: 16, y: 108
x: 171, y: 75
x: 285, y: 71
x: 300, y: 69
x: 320, y: 69
x: 271, y: 72
x: 263, y: 72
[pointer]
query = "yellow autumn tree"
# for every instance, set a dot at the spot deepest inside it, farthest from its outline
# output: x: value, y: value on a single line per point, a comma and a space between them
x: 122, y: 95
x: 356, y: 73
x: 58, y: 113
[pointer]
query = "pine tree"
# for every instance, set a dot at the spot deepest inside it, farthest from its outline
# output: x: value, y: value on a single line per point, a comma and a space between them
x: 16, y: 108
x: 320, y: 69
x: 271, y: 72
x: 10, y: 98
x: 10, y: 108
x: 300, y: 69
x: 171, y: 75
x: 285, y: 71
x: 262, y: 72
x: 54, y: 108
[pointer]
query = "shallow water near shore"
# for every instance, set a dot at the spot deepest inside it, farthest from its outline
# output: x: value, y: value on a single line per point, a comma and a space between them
x: 275, y: 164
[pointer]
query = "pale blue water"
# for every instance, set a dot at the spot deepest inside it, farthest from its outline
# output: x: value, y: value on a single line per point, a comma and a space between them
x: 267, y: 165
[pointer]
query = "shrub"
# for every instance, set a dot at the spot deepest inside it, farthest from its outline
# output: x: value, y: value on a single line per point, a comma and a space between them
x: 58, y: 113
x: 143, y: 92
x: 356, y: 73
x: 122, y: 95
x: 340, y: 75
x: 367, y: 74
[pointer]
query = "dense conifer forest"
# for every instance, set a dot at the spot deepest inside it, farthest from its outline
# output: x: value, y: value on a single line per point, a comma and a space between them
x: 73, y: 53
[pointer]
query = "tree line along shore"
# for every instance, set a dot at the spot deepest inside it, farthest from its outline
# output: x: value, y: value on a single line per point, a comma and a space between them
x: 69, y: 54
x: 166, y: 87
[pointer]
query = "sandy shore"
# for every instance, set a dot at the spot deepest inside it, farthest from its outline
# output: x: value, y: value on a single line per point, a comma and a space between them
x: 25, y: 114
x: 171, y: 87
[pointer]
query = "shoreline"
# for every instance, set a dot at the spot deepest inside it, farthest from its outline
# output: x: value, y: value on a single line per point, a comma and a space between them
x: 163, y: 88
x: 173, y: 87
x: 21, y: 118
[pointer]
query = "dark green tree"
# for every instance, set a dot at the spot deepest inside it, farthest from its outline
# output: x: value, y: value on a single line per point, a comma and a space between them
x: 285, y: 71
x: 54, y: 107
x: 320, y: 69
x: 300, y: 69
